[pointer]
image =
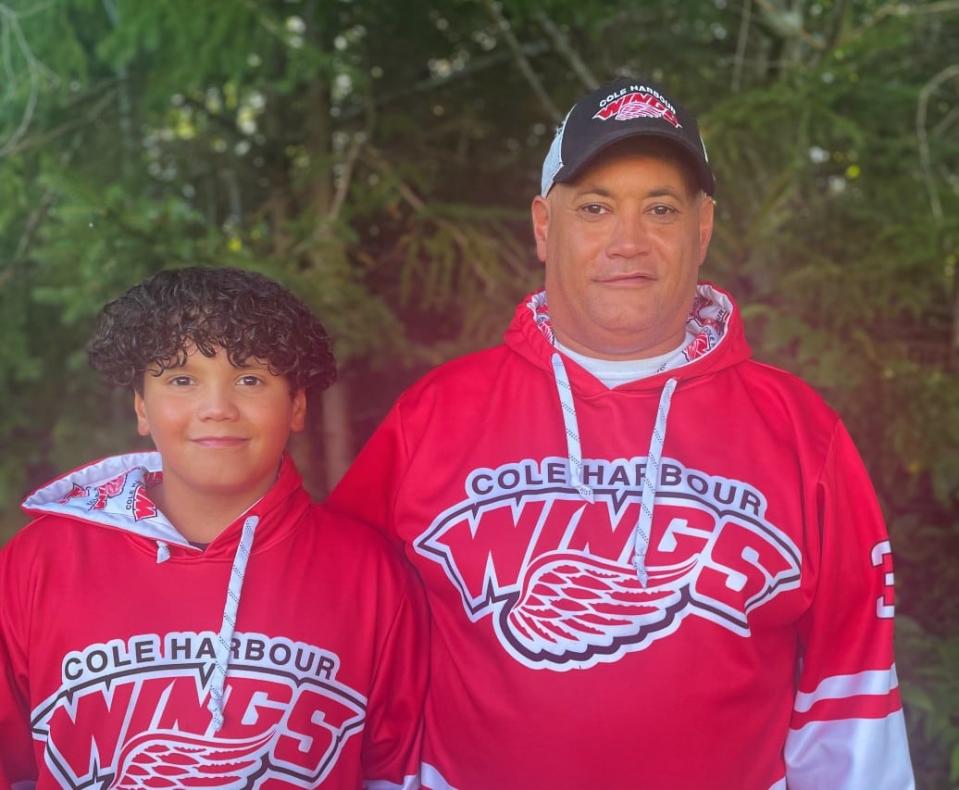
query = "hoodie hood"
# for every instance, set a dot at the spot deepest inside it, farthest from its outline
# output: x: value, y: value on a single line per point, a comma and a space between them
x: 115, y: 493
x: 714, y: 323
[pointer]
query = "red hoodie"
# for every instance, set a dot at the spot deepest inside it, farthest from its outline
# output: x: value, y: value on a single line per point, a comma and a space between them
x: 109, y: 623
x: 738, y: 634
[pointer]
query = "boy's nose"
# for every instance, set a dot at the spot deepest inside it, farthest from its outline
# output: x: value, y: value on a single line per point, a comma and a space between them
x: 217, y: 404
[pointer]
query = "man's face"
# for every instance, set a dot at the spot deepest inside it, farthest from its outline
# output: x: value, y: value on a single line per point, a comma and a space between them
x: 622, y: 246
x: 220, y: 429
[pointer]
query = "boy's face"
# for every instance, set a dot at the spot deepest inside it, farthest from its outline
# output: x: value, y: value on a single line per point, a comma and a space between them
x: 220, y: 429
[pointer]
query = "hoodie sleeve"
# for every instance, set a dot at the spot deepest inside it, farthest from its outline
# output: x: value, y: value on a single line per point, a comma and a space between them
x: 16, y: 748
x: 393, y: 736
x: 847, y: 729
x: 369, y: 489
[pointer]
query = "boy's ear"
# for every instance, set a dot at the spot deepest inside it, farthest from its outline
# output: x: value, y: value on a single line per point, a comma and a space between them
x: 298, y: 414
x: 143, y: 424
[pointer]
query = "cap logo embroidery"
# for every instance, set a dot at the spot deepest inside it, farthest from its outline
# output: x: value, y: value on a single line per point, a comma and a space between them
x: 639, y: 102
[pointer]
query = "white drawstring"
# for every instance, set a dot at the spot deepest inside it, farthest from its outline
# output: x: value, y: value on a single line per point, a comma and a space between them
x: 573, y: 449
x: 163, y: 551
x: 647, y: 503
x: 650, y: 480
x: 224, y: 639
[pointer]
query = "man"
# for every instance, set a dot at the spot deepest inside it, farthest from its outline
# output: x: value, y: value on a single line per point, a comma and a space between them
x: 651, y: 561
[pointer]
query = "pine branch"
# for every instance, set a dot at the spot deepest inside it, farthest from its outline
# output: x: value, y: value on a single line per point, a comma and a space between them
x: 521, y: 61
x: 922, y: 134
x: 562, y: 45
x: 741, y: 44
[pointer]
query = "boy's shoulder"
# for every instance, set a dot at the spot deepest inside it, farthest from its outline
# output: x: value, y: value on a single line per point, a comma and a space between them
x: 45, y: 533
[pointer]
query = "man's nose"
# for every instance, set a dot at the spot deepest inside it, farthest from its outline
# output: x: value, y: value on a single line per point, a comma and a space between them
x: 629, y: 236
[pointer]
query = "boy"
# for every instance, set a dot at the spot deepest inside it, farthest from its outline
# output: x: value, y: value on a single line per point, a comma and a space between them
x: 187, y: 617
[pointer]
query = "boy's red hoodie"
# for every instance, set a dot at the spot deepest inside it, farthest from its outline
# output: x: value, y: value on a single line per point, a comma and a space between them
x: 290, y: 652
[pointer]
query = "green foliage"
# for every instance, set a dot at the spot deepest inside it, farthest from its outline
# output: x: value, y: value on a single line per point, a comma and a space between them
x: 379, y: 158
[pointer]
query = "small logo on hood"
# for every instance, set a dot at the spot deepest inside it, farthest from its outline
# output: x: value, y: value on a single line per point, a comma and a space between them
x: 143, y: 506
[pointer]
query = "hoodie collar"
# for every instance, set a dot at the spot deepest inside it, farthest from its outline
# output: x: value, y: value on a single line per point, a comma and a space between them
x: 115, y: 493
x: 714, y: 323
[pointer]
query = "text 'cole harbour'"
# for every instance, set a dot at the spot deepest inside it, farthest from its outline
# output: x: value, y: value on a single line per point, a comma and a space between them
x: 617, y: 478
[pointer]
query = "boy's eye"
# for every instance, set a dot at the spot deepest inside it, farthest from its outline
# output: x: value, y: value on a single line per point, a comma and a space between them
x: 180, y: 381
x: 250, y: 380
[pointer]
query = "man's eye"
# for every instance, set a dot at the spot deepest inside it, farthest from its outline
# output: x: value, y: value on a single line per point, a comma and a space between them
x: 181, y: 381
x: 662, y: 210
x: 250, y: 381
x: 594, y: 209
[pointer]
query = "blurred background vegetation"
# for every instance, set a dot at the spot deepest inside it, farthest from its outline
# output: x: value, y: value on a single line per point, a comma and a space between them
x: 379, y: 157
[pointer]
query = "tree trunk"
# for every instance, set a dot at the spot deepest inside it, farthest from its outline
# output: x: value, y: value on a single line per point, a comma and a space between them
x: 332, y: 435
x: 337, y: 433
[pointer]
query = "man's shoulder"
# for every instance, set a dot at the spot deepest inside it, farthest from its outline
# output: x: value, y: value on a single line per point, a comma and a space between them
x: 778, y: 379
x: 787, y: 399
x: 461, y: 377
x: 352, y: 544
x: 463, y: 370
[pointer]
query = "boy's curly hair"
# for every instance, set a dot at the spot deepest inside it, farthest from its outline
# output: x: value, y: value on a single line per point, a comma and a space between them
x: 154, y: 324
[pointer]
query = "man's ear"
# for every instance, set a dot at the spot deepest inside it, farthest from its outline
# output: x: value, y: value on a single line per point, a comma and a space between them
x: 298, y: 413
x: 143, y: 424
x: 540, y: 212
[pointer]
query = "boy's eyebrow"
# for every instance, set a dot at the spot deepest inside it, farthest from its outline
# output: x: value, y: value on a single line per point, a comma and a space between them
x: 252, y: 362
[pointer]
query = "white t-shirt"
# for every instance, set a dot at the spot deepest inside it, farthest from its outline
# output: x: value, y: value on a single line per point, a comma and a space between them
x: 615, y: 372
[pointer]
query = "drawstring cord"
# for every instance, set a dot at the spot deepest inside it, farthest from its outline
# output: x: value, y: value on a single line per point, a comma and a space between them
x: 573, y: 449
x: 647, y: 503
x: 163, y: 551
x: 224, y: 639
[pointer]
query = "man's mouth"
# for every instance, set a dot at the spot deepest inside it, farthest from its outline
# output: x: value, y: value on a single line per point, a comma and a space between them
x: 626, y: 278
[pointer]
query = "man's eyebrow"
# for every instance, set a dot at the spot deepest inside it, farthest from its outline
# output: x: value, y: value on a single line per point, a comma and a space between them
x: 660, y: 191
x: 666, y: 192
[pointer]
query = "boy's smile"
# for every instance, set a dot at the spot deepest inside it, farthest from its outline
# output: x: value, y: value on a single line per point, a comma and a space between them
x: 221, y: 431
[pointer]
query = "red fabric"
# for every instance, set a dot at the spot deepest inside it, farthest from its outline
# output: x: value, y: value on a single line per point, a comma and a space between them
x: 106, y: 653
x: 550, y: 666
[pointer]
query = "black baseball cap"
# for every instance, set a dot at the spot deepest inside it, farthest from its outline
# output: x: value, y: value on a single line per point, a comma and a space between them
x: 620, y: 110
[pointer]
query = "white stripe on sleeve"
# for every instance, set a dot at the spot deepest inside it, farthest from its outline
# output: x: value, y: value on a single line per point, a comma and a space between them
x: 850, y: 754
x: 878, y: 682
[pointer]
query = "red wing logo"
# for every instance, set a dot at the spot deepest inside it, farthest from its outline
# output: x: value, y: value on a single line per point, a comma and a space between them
x: 703, y: 309
x: 571, y: 602
x: 553, y: 572
x: 134, y: 714
x: 173, y: 759
x: 109, y: 489
x: 638, y: 104
x: 698, y: 346
x: 76, y: 491
x: 143, y: 506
